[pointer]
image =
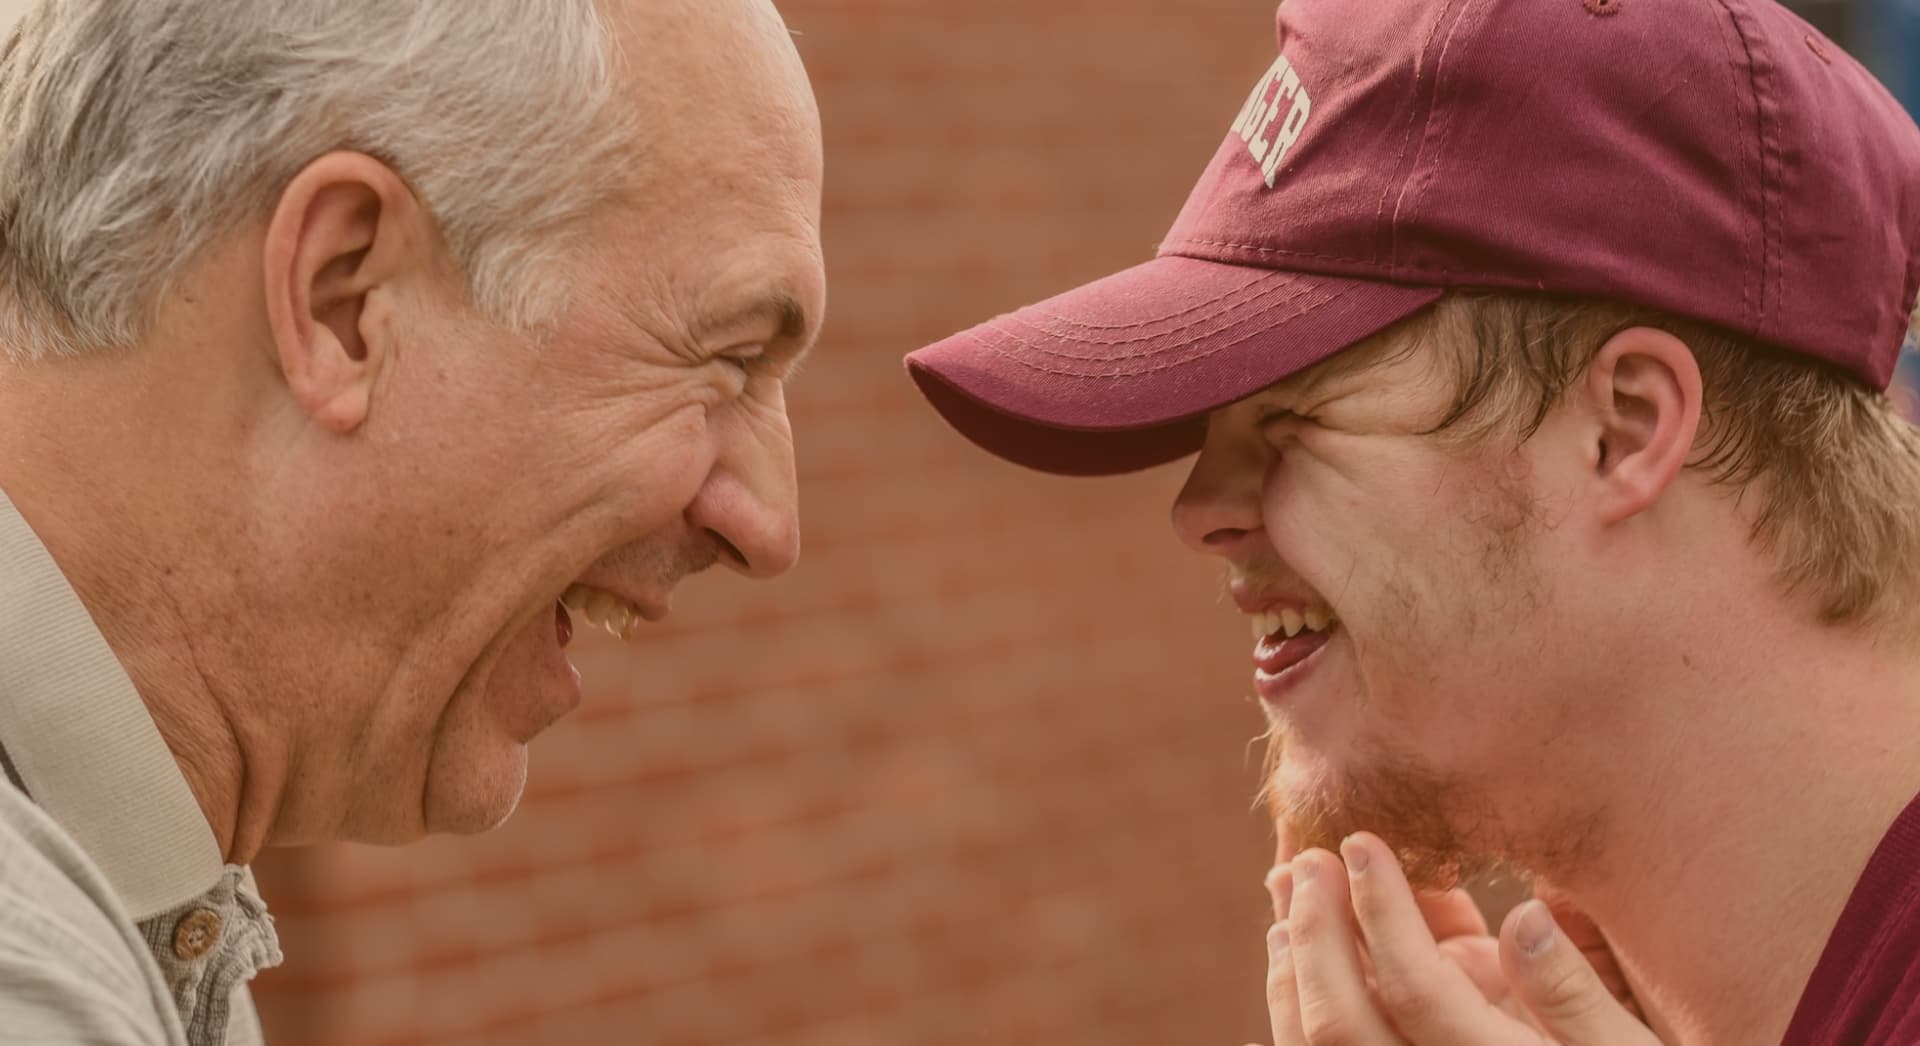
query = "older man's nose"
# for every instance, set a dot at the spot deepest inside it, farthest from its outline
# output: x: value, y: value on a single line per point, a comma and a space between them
x: 758, y: 530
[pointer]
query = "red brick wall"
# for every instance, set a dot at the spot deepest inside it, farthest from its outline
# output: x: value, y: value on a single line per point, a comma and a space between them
x: 978, y: 771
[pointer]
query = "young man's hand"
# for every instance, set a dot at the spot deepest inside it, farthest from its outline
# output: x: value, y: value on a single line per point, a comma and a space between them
x: 1356, y: 957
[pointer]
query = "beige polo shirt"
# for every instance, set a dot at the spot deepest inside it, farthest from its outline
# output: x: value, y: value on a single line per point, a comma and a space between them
x: 119, y: 921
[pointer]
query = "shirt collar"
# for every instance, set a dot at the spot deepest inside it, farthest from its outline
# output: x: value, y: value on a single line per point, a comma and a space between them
x: 84, y: 742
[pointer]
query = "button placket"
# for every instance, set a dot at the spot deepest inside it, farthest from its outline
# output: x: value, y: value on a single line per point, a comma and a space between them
x: 196, y: 934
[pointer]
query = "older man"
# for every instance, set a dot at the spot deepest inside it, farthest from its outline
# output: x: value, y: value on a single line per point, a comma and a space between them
x: 1534, y: 353
x: 352, y: 350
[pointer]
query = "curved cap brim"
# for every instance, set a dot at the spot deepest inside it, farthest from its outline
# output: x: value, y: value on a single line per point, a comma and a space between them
x: 1120, y: 374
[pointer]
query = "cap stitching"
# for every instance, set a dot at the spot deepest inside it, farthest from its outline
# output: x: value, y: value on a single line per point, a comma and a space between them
x: 1299, y: 291
x: 1396, y: 268
x: 1756, y: 311
x: 1266, y: 292
x: 1747, y: 307
x: 1387, y: 229
x: 1137, y: 372
x: 1770, y: 265
x: 1039, y: 310
x: 1195, y: 241
x: 1438, y: 130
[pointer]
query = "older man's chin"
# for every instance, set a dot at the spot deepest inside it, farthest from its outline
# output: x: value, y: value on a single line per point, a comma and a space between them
x: 470, y: 793
x: 478, y: 767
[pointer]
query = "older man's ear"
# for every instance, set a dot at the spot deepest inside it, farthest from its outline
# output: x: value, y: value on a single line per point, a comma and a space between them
x: 346, y: 231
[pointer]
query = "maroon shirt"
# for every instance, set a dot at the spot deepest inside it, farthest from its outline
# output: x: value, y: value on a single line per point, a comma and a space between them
x: 1866, y: 989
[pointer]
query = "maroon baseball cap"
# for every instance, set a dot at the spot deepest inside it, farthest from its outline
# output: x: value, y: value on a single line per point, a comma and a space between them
x: 1714, y: 159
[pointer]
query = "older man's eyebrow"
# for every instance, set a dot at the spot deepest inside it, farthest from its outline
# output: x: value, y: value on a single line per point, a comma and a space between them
x: 789, y: 318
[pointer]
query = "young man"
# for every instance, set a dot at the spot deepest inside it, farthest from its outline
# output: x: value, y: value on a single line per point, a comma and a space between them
x: 1534, y: 352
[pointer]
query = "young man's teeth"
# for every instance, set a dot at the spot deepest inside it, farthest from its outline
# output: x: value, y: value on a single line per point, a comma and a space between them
x: 1265, y: 625
x: 1290, y: 623
x: 1291, y: 620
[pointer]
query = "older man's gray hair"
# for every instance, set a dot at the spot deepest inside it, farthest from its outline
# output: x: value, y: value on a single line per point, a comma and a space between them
x: 134, y: 132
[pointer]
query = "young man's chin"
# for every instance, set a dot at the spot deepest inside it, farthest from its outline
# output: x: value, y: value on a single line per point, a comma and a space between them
x: 1412, y: 810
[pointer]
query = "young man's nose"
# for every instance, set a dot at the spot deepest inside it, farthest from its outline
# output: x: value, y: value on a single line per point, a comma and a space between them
x: 1218, y: 510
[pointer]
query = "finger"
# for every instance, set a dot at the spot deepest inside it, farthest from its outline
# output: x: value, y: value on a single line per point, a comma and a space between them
x: 1335, y: 1004
x: 1479, y: 959
x: 1452, y: 913
x: 1586, y: 936
x: 1280, y: 888
x: 1283, y: 847
x: 1283, y: 995
x: 1559, y: 986
x: 1427, y: 997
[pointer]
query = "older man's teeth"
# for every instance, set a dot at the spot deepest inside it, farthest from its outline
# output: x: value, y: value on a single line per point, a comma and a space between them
x: 1318, y: 620
x: 1292, y: 621
x: 604, y: 609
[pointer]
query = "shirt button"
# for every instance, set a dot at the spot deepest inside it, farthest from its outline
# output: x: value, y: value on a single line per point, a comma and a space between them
x: 196, y: 935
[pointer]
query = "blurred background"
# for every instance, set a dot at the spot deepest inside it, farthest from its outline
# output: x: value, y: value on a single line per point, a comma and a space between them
x: 980, y: 770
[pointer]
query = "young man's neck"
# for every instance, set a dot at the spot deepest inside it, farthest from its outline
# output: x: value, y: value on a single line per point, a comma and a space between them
x: 1733, y: 845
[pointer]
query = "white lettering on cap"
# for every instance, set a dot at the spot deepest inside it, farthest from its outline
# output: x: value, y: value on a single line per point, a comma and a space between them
x: 1280, y: 90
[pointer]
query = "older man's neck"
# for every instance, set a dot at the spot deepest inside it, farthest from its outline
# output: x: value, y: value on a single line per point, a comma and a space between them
x: 1732, y: 850
x: 94, y: 468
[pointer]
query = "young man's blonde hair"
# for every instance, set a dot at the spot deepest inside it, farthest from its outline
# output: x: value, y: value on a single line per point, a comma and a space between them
x: 1827, y: 470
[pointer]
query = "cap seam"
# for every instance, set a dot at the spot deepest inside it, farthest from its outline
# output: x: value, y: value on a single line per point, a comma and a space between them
x: 1772, y: 173
x: 1392, y: 269
x: 1301, y: 290
x: 1258, y: 278
x: 1389, y: 231
x: 1137, y: 372
x: 1265, y: 294
x: 1438, y: 130
x: 1758, y: 310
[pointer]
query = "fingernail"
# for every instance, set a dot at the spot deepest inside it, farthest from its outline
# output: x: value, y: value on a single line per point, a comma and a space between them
x: 1535, y: 931
x: 1355, y: 853
x: 1277, y: 941
x: 1302, y: 871
x: 1280, y: 883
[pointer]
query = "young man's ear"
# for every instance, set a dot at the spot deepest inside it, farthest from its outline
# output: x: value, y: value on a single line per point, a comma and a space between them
x: 1643, y: 391
x: 344, y: 230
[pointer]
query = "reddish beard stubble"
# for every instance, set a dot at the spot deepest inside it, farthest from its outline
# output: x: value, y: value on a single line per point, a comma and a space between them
x: 1444, y: 830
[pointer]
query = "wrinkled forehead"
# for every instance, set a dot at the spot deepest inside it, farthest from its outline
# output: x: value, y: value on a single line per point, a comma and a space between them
x: 722, y: 201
